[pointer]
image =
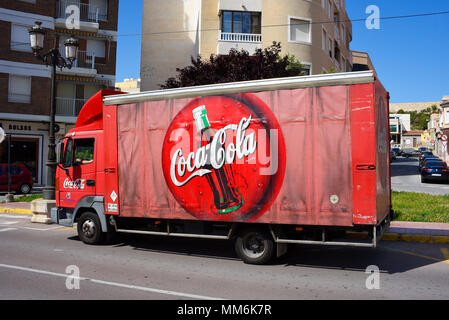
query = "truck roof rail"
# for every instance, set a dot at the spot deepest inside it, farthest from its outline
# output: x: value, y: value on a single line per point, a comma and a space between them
x: 245, y: 86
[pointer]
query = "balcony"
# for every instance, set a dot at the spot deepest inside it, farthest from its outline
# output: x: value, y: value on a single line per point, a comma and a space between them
x: 240, y: 37
x: 246, y: 41
x: 69, y: 107
x: 90, y: 15
x: 84, y: 65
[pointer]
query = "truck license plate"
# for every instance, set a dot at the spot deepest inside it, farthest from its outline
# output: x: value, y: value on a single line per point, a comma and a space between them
x: 436, y: 174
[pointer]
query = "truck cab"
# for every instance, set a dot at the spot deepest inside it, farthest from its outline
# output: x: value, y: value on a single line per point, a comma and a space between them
x: 80, y: 172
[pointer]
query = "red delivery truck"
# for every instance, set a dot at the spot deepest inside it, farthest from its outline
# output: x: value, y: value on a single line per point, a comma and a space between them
x: 299, y: 160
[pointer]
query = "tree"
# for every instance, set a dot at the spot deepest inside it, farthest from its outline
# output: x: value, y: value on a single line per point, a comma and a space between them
x: 236, y: 66
x: 419, y: 120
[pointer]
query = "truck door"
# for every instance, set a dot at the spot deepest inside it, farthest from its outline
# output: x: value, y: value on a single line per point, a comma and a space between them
x: 78, y: 177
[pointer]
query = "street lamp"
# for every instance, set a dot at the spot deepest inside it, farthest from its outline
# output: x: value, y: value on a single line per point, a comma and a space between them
x: 53, y: 58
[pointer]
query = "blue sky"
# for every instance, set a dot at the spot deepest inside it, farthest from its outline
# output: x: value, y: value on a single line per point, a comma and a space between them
x: 410, y: 55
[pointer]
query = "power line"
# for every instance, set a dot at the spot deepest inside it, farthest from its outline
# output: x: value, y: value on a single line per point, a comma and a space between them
x: 285, y: 25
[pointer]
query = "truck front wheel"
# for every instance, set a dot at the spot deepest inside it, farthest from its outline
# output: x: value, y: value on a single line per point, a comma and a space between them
x: 89, y: 228
x: 254, y: 246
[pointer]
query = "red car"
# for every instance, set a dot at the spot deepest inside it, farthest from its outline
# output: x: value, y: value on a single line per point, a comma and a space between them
x: 21, y: 178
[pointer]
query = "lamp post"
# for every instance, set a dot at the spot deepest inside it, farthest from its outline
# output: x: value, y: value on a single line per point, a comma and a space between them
x: 54, y: 59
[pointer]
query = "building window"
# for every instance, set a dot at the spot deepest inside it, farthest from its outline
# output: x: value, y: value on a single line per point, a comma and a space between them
x: 20, y: 38
x: 300, y: 30
x: 241, y: 22
x: 306, y: 69
x: 19, y: 89
x: 330, y: 48
x: 324, y: 42
x: 446, y: 118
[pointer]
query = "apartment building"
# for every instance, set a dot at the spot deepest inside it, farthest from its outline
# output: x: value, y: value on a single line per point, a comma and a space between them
x: 25, y: 82
x: 317, y: 32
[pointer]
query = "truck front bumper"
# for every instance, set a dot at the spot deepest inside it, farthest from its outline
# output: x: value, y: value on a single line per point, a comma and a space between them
x: 62, y: 217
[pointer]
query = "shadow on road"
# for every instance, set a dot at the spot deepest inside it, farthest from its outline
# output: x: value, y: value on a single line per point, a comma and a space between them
x: 312, y: 256
x: 404, y: 167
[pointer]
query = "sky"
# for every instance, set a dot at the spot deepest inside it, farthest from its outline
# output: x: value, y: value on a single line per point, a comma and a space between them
x: 410, y: 55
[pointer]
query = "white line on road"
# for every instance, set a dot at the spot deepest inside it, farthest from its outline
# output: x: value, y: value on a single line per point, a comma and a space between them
x: 115, y: 284
x: 7, y: 229
x: 8, y: 223
x: 9, y: 216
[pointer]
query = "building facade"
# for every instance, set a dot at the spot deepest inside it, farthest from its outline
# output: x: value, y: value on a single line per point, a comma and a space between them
x: 399, y: 123
x: 25, y: 82
x: 316, y: 32
x: 128, y: 85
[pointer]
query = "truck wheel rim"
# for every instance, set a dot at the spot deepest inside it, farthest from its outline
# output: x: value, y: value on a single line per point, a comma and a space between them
x: 88, y: 228
x: 253, y: 246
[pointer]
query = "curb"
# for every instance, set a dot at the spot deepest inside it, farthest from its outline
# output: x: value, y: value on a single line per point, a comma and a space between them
x: 15, y: 211
x: 419, y: 238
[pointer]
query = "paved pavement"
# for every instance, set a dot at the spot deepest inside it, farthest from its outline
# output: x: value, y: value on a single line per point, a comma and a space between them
x: 42, y: 261
x: 405, y: 177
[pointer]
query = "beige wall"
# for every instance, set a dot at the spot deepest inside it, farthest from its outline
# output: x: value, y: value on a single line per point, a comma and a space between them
x: 162, y: 54
x: 164, y: 48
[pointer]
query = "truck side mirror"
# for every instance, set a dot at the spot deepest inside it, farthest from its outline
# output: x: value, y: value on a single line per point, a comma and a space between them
x: 60, y: 151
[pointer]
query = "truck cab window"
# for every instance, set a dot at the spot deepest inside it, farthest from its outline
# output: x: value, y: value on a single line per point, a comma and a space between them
x: 83, y: 152
x: 67, y: 159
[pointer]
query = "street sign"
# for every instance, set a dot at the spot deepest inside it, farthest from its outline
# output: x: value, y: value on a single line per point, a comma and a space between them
x: 2, y: 135
x: 444, y: 140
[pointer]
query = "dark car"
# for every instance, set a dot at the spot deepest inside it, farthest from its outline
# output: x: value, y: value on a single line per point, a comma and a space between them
x: 435, y: 171
x: 396, y: 151
x: 21, y: 178
x: 423, y: 159
x: 392, y: 155
x: 423, y: 149
x: 409, y: 152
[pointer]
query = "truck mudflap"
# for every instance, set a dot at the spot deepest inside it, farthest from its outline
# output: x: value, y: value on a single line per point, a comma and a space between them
x: 67, y: 216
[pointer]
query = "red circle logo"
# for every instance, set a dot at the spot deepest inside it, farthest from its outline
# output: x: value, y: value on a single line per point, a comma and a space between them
x: 223, y: 157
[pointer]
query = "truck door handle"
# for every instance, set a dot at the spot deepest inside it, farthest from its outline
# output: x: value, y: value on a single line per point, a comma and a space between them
x: 90, y: 183
x: 364, y: 167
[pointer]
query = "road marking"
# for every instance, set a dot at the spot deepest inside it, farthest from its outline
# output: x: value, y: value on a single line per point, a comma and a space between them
x: 9, y: 216
x: 7, y: 229
x: 415, y: 254
x: 66, y: 229
x: 8, y: 223
x: 115, y: 284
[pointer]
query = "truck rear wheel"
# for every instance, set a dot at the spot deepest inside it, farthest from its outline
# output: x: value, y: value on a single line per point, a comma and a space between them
x: 254, y: 246
x: 89, y: 228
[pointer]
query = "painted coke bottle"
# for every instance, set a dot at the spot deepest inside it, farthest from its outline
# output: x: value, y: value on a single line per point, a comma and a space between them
x: 227, y: 198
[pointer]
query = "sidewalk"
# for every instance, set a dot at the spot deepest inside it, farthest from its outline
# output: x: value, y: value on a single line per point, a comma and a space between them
x: 424, y: 232
x: 16, y: 208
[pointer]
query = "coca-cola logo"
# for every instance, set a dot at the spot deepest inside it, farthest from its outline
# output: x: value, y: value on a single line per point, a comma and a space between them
x: 77, y: 184
x: 213, y: 153
x: 223, y: 157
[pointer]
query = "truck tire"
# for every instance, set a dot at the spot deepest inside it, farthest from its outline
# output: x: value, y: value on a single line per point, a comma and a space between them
x: 254, y: 246
x: 89, y: 228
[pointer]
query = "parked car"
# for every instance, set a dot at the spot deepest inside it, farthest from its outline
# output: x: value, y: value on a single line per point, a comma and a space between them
x: 435, y: 171
x: 396, y: 151
x: 392, y: 155
x: 410, y: 152
x: 423, y: 149
x: 21, y: 178
x: 424, y: 160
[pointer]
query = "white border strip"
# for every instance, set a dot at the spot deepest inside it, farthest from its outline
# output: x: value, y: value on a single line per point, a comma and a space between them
x: 114, y: 284
x: 334, y: 79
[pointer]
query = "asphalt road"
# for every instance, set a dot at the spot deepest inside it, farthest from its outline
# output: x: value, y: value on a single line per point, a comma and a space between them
x: 405, y: 177
x: 36, y: 262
